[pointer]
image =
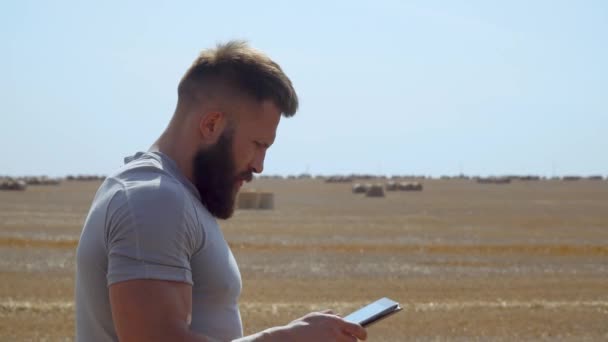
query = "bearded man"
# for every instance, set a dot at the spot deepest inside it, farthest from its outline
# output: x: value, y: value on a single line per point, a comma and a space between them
x: 152, y: 263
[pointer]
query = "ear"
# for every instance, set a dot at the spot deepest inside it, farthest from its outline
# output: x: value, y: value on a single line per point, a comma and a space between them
x: 211, y: 126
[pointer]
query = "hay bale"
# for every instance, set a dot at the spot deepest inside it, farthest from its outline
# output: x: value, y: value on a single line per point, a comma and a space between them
x: 359, y: 188
x: 247, y: 200
x: 12, y: 184
x: 265, y: 200
x: 392, y: 186
x: 375, y: 190
x: 255, y: 200
x: 410, y: 186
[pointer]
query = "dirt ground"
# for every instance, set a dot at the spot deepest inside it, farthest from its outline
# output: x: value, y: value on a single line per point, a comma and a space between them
x: 468, y: 261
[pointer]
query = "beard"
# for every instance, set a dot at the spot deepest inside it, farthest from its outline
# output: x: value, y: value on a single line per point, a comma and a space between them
x: 215, y: 176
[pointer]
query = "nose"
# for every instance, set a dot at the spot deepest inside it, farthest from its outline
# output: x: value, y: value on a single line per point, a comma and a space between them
x: 258, y: 161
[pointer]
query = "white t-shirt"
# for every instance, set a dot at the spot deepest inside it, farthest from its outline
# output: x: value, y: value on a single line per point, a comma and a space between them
x: 147, y: 222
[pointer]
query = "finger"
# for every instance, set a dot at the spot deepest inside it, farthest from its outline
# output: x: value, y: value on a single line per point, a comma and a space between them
x: 355, y: 330
x: 328, y: 311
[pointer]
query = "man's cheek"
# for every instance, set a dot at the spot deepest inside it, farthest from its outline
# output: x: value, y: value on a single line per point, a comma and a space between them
x: 241, y: 163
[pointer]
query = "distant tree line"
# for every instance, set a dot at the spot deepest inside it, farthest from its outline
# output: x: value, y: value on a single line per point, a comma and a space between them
x: 22, y: 183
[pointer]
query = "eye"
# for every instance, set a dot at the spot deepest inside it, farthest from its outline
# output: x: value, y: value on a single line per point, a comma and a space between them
x: 260, y: 144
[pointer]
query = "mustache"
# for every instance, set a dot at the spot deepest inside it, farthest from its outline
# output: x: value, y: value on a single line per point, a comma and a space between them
x: 246, y: 176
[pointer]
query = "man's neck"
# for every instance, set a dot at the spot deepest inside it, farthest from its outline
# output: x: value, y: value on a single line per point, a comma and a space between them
x: 170, y: 145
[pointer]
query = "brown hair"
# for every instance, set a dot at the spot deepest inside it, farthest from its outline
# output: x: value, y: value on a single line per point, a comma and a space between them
x: 243, y: 69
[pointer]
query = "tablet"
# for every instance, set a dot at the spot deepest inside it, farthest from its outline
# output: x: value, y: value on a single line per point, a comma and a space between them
x: 374, y: 312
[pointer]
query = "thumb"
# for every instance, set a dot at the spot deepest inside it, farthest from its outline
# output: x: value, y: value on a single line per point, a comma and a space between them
x: 331, y: 312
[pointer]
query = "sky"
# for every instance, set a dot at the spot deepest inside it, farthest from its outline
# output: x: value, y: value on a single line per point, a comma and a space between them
x: 386, y: 87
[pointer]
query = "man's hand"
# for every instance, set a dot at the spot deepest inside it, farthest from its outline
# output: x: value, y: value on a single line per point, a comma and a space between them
x: 322, y: 326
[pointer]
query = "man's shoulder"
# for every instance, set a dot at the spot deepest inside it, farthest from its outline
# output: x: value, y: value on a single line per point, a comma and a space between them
x: 146, y: 182
x: 141, y: 167
x: 145, y: 197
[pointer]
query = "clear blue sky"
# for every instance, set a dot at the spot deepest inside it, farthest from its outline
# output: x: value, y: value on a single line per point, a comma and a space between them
x: 393, y: 87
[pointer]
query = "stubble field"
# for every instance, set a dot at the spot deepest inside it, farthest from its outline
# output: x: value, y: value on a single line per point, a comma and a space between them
x: 468, y: 261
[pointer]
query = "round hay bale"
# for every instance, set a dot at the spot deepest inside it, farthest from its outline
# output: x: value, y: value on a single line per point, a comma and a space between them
x: 375, y: 190
x: 410, y: 186
x: 265, y: 200
x: 392, y: 186
x: 247, y: 200
x: 11, y: 184
x: 359, y: 188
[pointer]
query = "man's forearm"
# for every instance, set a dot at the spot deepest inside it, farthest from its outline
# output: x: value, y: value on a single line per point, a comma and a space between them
x: 275, y: 334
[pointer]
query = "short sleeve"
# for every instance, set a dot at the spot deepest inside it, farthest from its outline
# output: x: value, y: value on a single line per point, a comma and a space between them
x: 148, y: 235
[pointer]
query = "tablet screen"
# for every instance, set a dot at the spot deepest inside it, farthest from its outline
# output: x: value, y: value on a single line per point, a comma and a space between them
x: 374, y: 311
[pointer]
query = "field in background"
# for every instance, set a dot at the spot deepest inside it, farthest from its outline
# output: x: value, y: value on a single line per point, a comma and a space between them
x: 469, y: 261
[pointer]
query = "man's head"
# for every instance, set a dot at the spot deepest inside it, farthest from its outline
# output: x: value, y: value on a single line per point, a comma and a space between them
x: 231, y: 100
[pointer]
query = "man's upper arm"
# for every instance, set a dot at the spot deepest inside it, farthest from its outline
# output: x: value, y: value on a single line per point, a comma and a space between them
x: 150, y: 236
x: 152, y: 310
x: 149, y: 242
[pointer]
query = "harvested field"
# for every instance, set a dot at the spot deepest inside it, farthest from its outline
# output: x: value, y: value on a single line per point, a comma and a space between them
x: 469, y: 261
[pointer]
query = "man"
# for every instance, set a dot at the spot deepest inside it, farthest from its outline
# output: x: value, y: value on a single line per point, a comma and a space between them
x: 152, y: 263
